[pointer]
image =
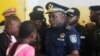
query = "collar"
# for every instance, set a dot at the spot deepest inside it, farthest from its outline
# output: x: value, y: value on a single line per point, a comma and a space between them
x: 7, y: 34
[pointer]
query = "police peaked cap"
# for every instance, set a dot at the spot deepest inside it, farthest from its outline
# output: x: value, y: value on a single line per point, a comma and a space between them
x: 38, y: 9
x: 73, y: 12
x: 9, y: 11
x: 95, y: 8
x: 53, y: 7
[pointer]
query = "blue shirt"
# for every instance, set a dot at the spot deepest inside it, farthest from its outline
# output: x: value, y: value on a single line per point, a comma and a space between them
x: 59, y: 41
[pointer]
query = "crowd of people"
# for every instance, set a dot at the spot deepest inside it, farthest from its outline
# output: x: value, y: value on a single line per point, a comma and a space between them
x: 63, y: 37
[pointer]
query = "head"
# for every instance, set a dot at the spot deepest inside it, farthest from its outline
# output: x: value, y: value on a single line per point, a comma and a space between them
x: 12, y: 24
x: 72, y: 16
x: 56, y: 14
x: 38, y: 16
x: 27, y: 32
x: 95, y: 14
x: 56, y: 19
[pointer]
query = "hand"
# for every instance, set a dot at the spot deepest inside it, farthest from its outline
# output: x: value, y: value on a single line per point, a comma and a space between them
x: 75, y: 53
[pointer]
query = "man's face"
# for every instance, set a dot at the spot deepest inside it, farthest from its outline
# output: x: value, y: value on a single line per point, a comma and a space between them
x: 14, y: 27
x: 93, y: 16
x: 38, y: 24
x: 56, y: 19
x: 72, y: 20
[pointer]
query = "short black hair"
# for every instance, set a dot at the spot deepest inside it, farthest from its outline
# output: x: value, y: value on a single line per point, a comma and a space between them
x: 26, y: 29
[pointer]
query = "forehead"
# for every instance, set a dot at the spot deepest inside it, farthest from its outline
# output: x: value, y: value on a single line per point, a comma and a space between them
x: 38, y: 21
x: 93, y: 12
x: 16, y: 22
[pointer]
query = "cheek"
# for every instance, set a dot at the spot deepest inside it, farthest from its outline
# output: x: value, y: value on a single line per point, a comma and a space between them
x: 52, y: 21
x: 34, y: 37
x: 15, y: 29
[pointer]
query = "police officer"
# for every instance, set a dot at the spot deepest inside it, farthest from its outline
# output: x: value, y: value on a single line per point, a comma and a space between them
x: 37, y: 15
x: 95, y: 17
x: 60, y: 39
x: 12, y: 24
x: 73, y: 16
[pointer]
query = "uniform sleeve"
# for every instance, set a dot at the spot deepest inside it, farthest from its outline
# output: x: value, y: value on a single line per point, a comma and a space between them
x: 30, y: 51
x: 74, y: 40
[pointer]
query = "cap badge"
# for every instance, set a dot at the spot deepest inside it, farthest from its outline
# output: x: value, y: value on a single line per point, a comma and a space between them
x: 62, y: 35
x: 50, y: 6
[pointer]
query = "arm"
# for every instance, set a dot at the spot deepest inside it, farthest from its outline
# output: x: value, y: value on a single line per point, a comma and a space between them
x: 74, y: 43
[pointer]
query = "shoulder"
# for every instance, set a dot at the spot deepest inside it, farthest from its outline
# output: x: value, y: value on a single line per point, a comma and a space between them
x: 30, y: 48
x: 29, y: 51
x: 2, y: 37
x: 26, y: 47
x: 73, y: 30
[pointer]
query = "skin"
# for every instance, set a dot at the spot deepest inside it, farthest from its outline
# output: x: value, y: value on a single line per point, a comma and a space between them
x: 56, y: 19
x: 13, y: 28
x: 30, y: 38
x: 94, y: 16
x: 72, y: 20
x: 38, y: 24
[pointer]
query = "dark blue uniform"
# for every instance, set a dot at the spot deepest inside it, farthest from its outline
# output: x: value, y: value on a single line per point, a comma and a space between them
x: 82, y: 32
x: 60, y: 40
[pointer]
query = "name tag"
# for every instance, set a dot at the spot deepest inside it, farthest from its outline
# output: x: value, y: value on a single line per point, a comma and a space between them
x: 82, y: 37
x: 60, y: 39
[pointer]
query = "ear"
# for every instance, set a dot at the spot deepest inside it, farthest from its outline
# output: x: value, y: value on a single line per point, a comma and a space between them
x: 33, y: 36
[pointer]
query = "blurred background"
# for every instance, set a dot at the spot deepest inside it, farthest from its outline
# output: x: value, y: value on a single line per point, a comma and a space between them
x: 24, y: 7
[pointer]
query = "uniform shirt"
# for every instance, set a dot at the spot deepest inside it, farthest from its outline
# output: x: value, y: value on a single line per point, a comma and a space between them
x: 97, y: 38
x: 82, y: 32
x: 59, y: 41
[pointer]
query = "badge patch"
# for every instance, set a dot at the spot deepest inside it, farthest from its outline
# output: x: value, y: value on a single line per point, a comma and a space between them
x: 62, y: 35
x: 60, y: 39
x: 73, y: 38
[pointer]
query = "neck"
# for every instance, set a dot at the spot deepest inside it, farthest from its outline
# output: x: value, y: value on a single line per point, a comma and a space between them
x: 23, y: 41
